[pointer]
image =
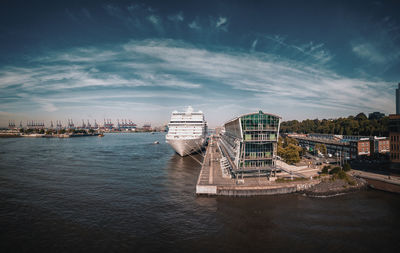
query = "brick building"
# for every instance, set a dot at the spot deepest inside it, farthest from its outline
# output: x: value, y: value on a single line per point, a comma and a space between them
x: 380, y: 145
x: 361, y: 147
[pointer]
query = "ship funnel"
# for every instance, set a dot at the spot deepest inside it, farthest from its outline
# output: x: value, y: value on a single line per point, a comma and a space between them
x: 189, y: 109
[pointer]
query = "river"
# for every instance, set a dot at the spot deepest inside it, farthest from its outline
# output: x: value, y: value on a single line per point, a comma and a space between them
x: 123, y: 193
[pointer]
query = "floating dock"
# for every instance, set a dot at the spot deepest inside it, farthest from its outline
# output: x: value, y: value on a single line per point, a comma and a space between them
x: 215, y: 180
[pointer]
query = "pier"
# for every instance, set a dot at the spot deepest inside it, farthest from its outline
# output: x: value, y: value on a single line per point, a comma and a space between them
x: 215, y: 179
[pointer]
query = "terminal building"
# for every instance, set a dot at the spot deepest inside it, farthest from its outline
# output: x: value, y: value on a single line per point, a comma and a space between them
x: 249, y: 142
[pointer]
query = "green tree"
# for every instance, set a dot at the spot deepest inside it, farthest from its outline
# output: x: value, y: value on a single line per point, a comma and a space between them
x: 325, y: 169
x: 361, y: 116
x: 358, y: 125
x: 321, y: 148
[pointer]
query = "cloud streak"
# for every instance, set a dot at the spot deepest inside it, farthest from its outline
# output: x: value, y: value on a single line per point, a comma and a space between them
x: 167, y: 73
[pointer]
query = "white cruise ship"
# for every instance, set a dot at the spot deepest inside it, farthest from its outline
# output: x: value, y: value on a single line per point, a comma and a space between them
x: 187, y: 131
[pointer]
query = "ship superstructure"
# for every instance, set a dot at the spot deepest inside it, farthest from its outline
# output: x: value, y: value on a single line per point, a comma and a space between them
x: 187, y: 131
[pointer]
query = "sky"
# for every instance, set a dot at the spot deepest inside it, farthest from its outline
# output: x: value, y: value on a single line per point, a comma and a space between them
x: 141, y: 60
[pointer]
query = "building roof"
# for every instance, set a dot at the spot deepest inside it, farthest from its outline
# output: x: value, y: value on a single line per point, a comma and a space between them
x: 251, y: 114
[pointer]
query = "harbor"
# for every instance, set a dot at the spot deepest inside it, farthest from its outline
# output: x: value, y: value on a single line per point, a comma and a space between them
x: 215, y: 180
x: 200, y: 126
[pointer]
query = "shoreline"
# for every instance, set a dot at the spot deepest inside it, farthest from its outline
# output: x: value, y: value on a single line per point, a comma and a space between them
x: 329, y: 187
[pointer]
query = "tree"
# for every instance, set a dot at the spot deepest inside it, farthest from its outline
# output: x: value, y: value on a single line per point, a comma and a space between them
x: 325, y: 169
x: 289, y: 153
x: 361, y: 116
x: 321, y: 148
x: 358, y: 125
x: 287, y: 141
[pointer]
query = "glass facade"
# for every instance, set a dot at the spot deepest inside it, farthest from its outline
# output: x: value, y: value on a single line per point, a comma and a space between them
x: 252, y: 141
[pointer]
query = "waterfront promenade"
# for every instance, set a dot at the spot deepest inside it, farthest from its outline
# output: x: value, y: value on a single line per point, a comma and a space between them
x: 379, y: 181
x: 213, y: 180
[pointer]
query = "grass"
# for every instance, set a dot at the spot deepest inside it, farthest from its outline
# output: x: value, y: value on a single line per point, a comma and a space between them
x: 288, y: 180
x: 338, y: 173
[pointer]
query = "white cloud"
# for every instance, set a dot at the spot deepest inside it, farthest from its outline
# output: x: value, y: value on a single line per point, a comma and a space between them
x: 317, y: 52
x: 156, y: 71
x: 263, y: 74
x: 369, y: 52
x: 194, y: 25
x: 221, y: 21
x: 154, y: 19
x: 253, y: 45
x: 177, y: 17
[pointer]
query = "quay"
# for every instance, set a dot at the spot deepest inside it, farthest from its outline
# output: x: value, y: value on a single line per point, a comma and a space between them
x: 215, y: 179
x: 388, y: 183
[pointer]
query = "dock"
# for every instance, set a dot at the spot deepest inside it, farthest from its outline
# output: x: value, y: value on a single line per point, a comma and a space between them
x: 215, y: 180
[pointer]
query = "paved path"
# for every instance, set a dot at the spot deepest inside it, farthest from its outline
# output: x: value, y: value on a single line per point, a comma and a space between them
x: 212, y: 182
x: 376, y: 176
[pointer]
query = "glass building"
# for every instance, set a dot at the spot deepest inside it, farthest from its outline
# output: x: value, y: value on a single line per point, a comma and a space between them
x: 250, y: 142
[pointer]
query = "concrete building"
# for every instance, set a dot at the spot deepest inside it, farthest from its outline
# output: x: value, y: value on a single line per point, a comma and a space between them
x: 394, y: 137
x: 394, y: 132
x: 398, y: 100
x: 250, y: 142
x: 333, y: 137
x: 376, y: 115
x: 333, y: 147
x: 350, y: 147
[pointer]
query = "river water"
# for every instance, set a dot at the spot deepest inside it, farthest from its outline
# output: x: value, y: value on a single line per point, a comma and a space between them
x: 122, y: 193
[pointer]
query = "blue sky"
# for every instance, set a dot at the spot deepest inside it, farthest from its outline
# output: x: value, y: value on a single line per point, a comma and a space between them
x: 141, y: 60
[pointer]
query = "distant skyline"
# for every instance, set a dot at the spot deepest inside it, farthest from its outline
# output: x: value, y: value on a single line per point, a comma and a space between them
x: 141, y: 60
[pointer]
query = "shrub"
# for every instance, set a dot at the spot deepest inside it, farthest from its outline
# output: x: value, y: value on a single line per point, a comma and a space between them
x: 347, y: 167
x: 342, y: 175
x: 335, y: 170
x: 326, y: 169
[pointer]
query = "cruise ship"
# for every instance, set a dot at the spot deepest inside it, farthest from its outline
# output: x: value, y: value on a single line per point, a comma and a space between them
x: 187, y: 131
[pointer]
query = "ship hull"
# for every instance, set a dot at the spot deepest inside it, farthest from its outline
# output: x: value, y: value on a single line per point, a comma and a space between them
x: 186, y: 147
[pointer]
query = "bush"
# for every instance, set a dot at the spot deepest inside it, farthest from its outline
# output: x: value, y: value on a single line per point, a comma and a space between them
x: 347, y: 167
x: 335, y: 170
x: 342, y: 175
x: 326, y: 169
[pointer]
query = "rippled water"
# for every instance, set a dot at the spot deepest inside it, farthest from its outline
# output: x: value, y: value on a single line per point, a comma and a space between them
x: 124, y: 193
